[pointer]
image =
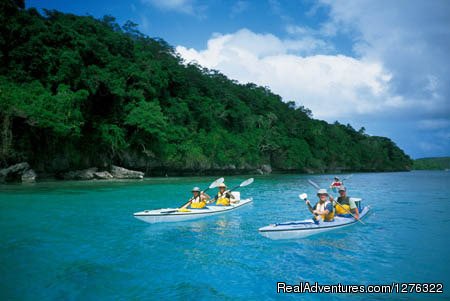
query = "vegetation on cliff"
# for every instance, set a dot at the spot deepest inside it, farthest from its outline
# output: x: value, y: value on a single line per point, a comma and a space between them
x: 77, y: 92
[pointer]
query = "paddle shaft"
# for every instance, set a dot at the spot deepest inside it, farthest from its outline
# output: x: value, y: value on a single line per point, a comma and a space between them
x: 350, y: 213
x: 308, y: 203
x: 236, y: 187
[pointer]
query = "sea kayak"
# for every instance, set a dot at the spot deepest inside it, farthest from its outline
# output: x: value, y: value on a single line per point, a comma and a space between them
x: 168, y: 215
x: 300, y: 229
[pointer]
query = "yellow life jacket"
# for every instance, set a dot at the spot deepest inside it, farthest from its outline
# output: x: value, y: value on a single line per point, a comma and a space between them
x: 198, y: 203
x: 222, y: 200
x: 325, y: 217
x: 343, y: 209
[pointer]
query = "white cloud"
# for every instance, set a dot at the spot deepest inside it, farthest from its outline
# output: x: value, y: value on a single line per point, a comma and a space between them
x: 332, y: 86
x: 411, y: 38
x: 396, y: 80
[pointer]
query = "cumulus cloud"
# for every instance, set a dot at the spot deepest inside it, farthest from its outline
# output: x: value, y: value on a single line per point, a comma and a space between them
x: 398, y: 72
x: 332, y: 86
x: 411, y: 38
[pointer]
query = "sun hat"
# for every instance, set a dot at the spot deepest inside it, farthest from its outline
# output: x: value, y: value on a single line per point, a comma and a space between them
x: 322, y: 191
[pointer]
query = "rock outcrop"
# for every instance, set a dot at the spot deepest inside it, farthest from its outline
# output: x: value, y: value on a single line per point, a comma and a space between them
x: 29, y: 176
x: 266, y: 169
x: 85, y: 174
x: 123, y: 173
x: 20, y: 172
x: 103, y: 175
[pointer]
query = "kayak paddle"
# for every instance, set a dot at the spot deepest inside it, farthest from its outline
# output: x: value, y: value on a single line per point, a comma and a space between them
x: 317, y: 186
x: 348, y: 211
x: 243, y: 184
x: 304, y: 197
x: 213, y: 185
x: 314, y: 184
x: 346, y: 178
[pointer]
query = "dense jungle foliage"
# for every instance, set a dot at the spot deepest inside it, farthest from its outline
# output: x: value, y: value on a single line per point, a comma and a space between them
x: 76, y: 92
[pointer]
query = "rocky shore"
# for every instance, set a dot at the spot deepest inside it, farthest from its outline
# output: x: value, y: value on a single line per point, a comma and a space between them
x: 22, y: 172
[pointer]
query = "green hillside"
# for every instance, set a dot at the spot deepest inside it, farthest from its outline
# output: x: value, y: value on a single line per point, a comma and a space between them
x: 439, y: 163
x: 77, y: 92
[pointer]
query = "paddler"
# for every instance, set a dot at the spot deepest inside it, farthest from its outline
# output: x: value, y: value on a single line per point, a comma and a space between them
x: 336, y: 183
x: 345, y: 204
x: 198, y: 200
x: 224, y: 197
x: 323, y: 209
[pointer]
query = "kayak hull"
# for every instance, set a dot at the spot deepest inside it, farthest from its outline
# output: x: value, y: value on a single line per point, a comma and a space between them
x: 171, y: 215
x: 305, y: 228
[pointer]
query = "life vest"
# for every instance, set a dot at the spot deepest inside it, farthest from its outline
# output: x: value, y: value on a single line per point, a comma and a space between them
x: 198, y: 203
x: 222, y: 199
x: 344, y: 202
x: 325, y: 217
x: 342, y: 210
x: 336, y: 184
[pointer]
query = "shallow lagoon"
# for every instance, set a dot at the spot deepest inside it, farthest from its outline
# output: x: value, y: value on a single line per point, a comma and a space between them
x: 79, y: 240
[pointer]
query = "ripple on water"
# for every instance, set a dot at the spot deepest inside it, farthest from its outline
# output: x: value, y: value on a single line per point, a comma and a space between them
x: 80, y: 241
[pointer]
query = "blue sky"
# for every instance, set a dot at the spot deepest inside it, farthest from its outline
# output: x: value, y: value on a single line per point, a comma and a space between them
x: 382, y: 64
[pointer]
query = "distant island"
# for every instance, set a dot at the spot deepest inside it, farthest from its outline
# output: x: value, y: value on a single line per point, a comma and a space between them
x: 439, y: 163
x: 78, y: 92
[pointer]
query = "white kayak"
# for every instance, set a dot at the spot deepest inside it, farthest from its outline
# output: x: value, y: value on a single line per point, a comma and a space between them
x: 300, y: 229
x: 168, y: 215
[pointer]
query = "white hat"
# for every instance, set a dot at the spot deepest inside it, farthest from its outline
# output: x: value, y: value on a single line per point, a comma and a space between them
x: 322, y: 191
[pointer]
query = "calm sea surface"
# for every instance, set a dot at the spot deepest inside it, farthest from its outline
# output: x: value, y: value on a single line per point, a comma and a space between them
x: 80, y: 241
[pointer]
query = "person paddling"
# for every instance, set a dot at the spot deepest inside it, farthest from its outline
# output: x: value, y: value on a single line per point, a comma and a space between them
x: 198, y: 200
x: 336, y: 183
x: 224, y: 197
x: 347, y: 205
x: 323, y: 209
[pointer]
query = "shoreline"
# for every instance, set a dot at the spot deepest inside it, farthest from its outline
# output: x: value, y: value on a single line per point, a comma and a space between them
x: 41, y: 180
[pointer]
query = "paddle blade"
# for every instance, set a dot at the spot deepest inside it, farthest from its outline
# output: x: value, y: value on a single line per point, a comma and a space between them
x: 314, y: 184
x: 216, y: 183
x: 347, y: 177
x: 303, y: 196
x: 246, y: 182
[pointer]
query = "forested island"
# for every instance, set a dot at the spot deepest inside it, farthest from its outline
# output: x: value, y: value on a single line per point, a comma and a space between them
x: 79, y: 92
x: 437, y: 163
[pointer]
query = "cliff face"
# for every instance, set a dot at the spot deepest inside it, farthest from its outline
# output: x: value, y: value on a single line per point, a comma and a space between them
x: 77, y: 92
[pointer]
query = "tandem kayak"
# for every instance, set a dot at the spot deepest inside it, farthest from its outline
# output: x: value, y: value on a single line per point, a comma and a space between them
x: 173, y: 215
x: 300, y: 229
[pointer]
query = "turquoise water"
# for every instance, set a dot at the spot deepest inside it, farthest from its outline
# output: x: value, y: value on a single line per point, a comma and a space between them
x: 79, y: 240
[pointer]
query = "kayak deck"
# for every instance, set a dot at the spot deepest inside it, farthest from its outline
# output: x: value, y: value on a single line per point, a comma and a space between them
x: 300, y: 229
x: 173, y: 215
